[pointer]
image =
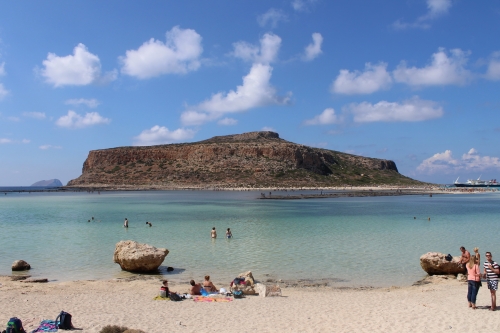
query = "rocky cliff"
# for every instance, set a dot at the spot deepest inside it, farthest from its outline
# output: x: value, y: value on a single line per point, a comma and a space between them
x: 255, y: 159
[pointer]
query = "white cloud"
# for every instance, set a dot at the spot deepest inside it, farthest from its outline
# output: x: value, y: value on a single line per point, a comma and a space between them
x: 268, y: 129
x: 81, y: 68
x: 178, y: 55
x: 493, y: 72
x: 74, y: 120
x: 36, y: 115
x: 45, y: 147
x: 327, y: 117
x: 273, y: 17
x: 2, y: 69
x: 302, y: 5
x: 265, y: 54
x: 3, y: 92
x: 435, y: 9
x: 162, y: 135
x: 91, y: 103
x: 443, y: 70
x: 374, y: 78
x: 12, y: 118
x: 314, y: 49
x: 255, y: 92
x: 5, y: 141
x: 227, y: 122
x: 446, y: 163
x: 413, y: 109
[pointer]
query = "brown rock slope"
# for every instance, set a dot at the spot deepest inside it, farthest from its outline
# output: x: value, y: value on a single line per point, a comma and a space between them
x: 255, y: 159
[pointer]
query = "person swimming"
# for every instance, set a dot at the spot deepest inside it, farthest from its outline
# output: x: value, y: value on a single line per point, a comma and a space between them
x: 229, y: 234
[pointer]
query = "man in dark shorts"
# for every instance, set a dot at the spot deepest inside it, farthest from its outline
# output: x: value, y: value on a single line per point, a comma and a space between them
x: 465, y: 256
x: 491, y: 271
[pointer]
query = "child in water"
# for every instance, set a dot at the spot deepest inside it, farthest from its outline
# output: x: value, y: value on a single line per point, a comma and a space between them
x: 228, y: 233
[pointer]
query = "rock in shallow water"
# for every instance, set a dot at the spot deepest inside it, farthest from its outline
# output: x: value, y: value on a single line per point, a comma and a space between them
x: 434, y: 263
x: 137, y: 257
x: 20, y: 265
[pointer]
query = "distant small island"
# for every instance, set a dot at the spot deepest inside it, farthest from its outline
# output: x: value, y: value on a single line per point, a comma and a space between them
x: 48, y: 183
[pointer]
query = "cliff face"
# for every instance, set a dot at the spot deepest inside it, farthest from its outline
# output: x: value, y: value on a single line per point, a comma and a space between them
x: 251, y: 159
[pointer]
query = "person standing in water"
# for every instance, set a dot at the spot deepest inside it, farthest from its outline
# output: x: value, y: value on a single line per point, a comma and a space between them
x: 125, y: 224
x: 213, y: 233
x: 229, y: 233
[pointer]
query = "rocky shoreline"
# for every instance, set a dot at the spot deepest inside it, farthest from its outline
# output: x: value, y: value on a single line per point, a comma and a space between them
x: 349, y: 193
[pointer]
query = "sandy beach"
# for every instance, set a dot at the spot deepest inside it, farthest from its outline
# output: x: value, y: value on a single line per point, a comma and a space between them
x: 437, y: 306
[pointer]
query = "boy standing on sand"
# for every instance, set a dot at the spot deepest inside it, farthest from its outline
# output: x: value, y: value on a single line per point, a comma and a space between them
x: 491, y: 271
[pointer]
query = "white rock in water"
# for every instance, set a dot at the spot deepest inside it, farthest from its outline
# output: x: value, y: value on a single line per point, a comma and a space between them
x: 137, y: 257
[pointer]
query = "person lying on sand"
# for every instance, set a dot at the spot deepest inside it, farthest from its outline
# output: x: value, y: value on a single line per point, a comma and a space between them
x: 208, y: 285
x: 195, y: 288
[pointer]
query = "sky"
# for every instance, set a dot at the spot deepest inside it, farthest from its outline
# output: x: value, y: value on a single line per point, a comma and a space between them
x: 413, y: 81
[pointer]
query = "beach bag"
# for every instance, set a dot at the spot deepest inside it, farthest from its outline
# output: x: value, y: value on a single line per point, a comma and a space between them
x: 237, y: 293
x: 174, y: 297
x: 15, y: 326
x: 448, y: 257
x: 64, y: 319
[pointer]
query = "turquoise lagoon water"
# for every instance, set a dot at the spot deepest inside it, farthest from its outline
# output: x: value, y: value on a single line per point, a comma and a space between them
x: 350, y: 241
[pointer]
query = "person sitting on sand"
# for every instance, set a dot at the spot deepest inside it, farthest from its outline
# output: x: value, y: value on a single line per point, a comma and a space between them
x: 164, y: 287
x: 208, y: 285
x: 229, y: 234
x: 213, y: 233
x: 195, y: 288
x: 473, y: 280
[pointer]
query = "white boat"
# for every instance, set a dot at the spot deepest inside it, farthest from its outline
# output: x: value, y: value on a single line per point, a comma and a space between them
x: 477, y: 183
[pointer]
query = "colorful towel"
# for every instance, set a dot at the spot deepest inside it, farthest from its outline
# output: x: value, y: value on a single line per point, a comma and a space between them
x: 159, y: 298
x: 46, y: 326
x: 212, y: 299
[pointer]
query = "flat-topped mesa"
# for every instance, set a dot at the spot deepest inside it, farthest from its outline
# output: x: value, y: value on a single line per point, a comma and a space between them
x: 254, y: 159
x: 244, y: 137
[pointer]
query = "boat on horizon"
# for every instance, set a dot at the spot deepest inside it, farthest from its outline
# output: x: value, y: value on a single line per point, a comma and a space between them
x: 477, y: 183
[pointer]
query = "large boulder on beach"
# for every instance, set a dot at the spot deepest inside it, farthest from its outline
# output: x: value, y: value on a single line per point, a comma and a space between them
x: 137, y: 257
x: 434, y: 263
x: 20, y: 265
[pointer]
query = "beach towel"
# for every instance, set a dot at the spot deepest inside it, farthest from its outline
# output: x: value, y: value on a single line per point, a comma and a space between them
x: 46, y: 326
x: 212, y: 299
x: 159, y: 298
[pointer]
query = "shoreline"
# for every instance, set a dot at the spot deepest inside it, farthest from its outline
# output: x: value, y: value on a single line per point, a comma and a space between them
x: 351, y: 191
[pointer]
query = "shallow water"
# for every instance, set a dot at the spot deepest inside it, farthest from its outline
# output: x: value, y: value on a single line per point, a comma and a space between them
x: 362, y: 241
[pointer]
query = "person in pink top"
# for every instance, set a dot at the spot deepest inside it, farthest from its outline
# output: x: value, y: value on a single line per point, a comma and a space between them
x: 473, y: 280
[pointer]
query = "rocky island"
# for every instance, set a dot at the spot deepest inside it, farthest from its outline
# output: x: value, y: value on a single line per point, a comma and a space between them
x: 248, y: 160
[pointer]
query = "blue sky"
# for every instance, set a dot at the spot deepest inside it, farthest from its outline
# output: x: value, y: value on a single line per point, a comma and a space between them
x: 414, y: 81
